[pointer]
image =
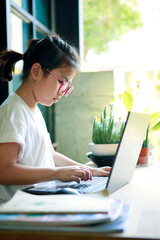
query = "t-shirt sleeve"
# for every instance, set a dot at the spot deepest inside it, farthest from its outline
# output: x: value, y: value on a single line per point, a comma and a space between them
x: 13, y: 128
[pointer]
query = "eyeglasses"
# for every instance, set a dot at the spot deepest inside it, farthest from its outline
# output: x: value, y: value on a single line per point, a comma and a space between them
x: 64, y: 88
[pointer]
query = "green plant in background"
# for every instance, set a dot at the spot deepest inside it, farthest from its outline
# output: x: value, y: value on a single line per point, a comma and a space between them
x: 106, y: 21
x: 104, y: 131
x: 127, y: 98
x: 155, y: 121
x: 146, y: 140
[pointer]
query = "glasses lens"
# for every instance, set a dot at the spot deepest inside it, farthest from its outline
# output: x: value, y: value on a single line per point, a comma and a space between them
x: 68, y: 91
x: 63, y: 88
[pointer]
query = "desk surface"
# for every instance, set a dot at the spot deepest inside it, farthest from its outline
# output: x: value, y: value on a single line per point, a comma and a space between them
x: 143, y: 193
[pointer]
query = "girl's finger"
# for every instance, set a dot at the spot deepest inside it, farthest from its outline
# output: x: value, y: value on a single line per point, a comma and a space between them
x: 83, y: 175
x: 75, y: 178
x: 106, y: 168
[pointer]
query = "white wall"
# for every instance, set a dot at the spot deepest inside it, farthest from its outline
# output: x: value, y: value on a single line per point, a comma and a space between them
x: 74, y: 115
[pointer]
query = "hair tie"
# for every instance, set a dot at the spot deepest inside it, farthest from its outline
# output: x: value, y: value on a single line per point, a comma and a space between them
x: 22, y: 57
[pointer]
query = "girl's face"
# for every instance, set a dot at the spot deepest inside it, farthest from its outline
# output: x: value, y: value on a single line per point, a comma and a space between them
x: 45, y: 90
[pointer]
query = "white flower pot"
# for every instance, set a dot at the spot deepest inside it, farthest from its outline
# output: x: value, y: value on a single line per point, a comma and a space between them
x: 103, y: 149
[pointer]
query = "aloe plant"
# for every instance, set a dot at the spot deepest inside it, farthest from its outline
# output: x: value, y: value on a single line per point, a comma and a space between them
x: 103, y: 131
x: 146, y: 140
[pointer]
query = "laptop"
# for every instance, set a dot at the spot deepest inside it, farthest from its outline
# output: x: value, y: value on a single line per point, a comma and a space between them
x: 123, y: 166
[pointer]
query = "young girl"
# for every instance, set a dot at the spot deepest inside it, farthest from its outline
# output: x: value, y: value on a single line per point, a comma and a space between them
x: 26, y: 153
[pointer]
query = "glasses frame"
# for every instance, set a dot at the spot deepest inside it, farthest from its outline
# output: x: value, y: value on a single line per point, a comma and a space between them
x: 68, y: 89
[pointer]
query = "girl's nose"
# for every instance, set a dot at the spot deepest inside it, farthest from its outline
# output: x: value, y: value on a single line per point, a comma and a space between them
x: 60, y: 94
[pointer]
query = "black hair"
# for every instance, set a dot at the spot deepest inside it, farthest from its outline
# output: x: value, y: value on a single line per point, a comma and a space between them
x: 50, y: 52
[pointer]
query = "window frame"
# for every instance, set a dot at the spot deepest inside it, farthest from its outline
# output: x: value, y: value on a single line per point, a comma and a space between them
x: 12, y: 8
x: 27, y: 17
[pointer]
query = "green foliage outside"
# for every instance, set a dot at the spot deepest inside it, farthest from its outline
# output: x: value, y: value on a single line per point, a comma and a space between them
x: 104, y: 131
x: 128, y: 99
x: 108, y: 20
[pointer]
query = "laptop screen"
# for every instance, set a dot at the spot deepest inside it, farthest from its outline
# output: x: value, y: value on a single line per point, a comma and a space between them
x: 128, y: 150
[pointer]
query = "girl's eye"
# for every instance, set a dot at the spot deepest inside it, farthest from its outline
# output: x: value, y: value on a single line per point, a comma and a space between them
x: 60, y: 81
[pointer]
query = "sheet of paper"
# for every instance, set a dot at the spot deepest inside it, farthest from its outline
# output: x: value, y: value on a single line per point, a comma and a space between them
x: 27, y: 203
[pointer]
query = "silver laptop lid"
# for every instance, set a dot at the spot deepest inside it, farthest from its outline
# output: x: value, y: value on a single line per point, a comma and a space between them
x: 128, y: 150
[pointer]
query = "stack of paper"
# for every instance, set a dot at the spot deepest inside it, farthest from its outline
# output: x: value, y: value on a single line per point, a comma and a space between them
x: 64, y: 213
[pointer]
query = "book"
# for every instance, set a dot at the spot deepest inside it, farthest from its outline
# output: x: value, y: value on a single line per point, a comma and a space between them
x: 63, y: 219
x: 23, y: 202
x: 69, y: 213
x: 84, y: 222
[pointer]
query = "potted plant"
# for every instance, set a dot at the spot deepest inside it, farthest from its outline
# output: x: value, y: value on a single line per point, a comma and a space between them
x: 105, y: 134
x: 145, y: 150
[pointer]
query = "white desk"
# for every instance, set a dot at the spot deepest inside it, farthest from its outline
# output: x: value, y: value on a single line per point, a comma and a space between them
x: 143, y: 192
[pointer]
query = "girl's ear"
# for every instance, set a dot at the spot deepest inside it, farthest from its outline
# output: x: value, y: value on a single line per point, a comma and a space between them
x: 36, y: 71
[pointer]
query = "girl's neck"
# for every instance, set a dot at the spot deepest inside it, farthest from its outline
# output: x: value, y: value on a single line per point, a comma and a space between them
x: 27, y: 96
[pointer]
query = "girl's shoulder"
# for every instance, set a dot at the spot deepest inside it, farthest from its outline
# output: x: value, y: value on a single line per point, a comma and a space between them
x: 14, y: 106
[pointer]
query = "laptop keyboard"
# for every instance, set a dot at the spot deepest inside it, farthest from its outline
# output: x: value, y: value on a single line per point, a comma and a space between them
x: 94, y: 185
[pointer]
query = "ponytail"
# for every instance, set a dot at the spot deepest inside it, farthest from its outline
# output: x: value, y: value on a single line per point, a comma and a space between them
x: 8, y: 60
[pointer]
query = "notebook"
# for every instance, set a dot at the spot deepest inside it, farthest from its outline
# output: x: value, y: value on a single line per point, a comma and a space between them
x: 124, y: 162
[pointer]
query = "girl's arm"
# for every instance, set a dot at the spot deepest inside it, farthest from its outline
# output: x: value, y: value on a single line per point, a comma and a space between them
x: 61, y: 160
x: 13, y: 173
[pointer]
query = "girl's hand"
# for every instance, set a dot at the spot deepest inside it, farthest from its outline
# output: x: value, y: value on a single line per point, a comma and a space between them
x: 100, y: 172
x: 73, y: 173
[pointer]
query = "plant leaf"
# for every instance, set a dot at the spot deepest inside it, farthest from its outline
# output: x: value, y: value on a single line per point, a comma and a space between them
x: 127, y: 98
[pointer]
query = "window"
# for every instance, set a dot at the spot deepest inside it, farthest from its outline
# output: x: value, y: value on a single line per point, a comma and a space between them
x: 29, y: 19
x: 42, y: 10
x: 123, y: 37
x: 18, y: 42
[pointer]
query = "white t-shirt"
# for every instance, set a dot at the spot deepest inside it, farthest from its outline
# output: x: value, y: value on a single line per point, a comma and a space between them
x: 18, y: 123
